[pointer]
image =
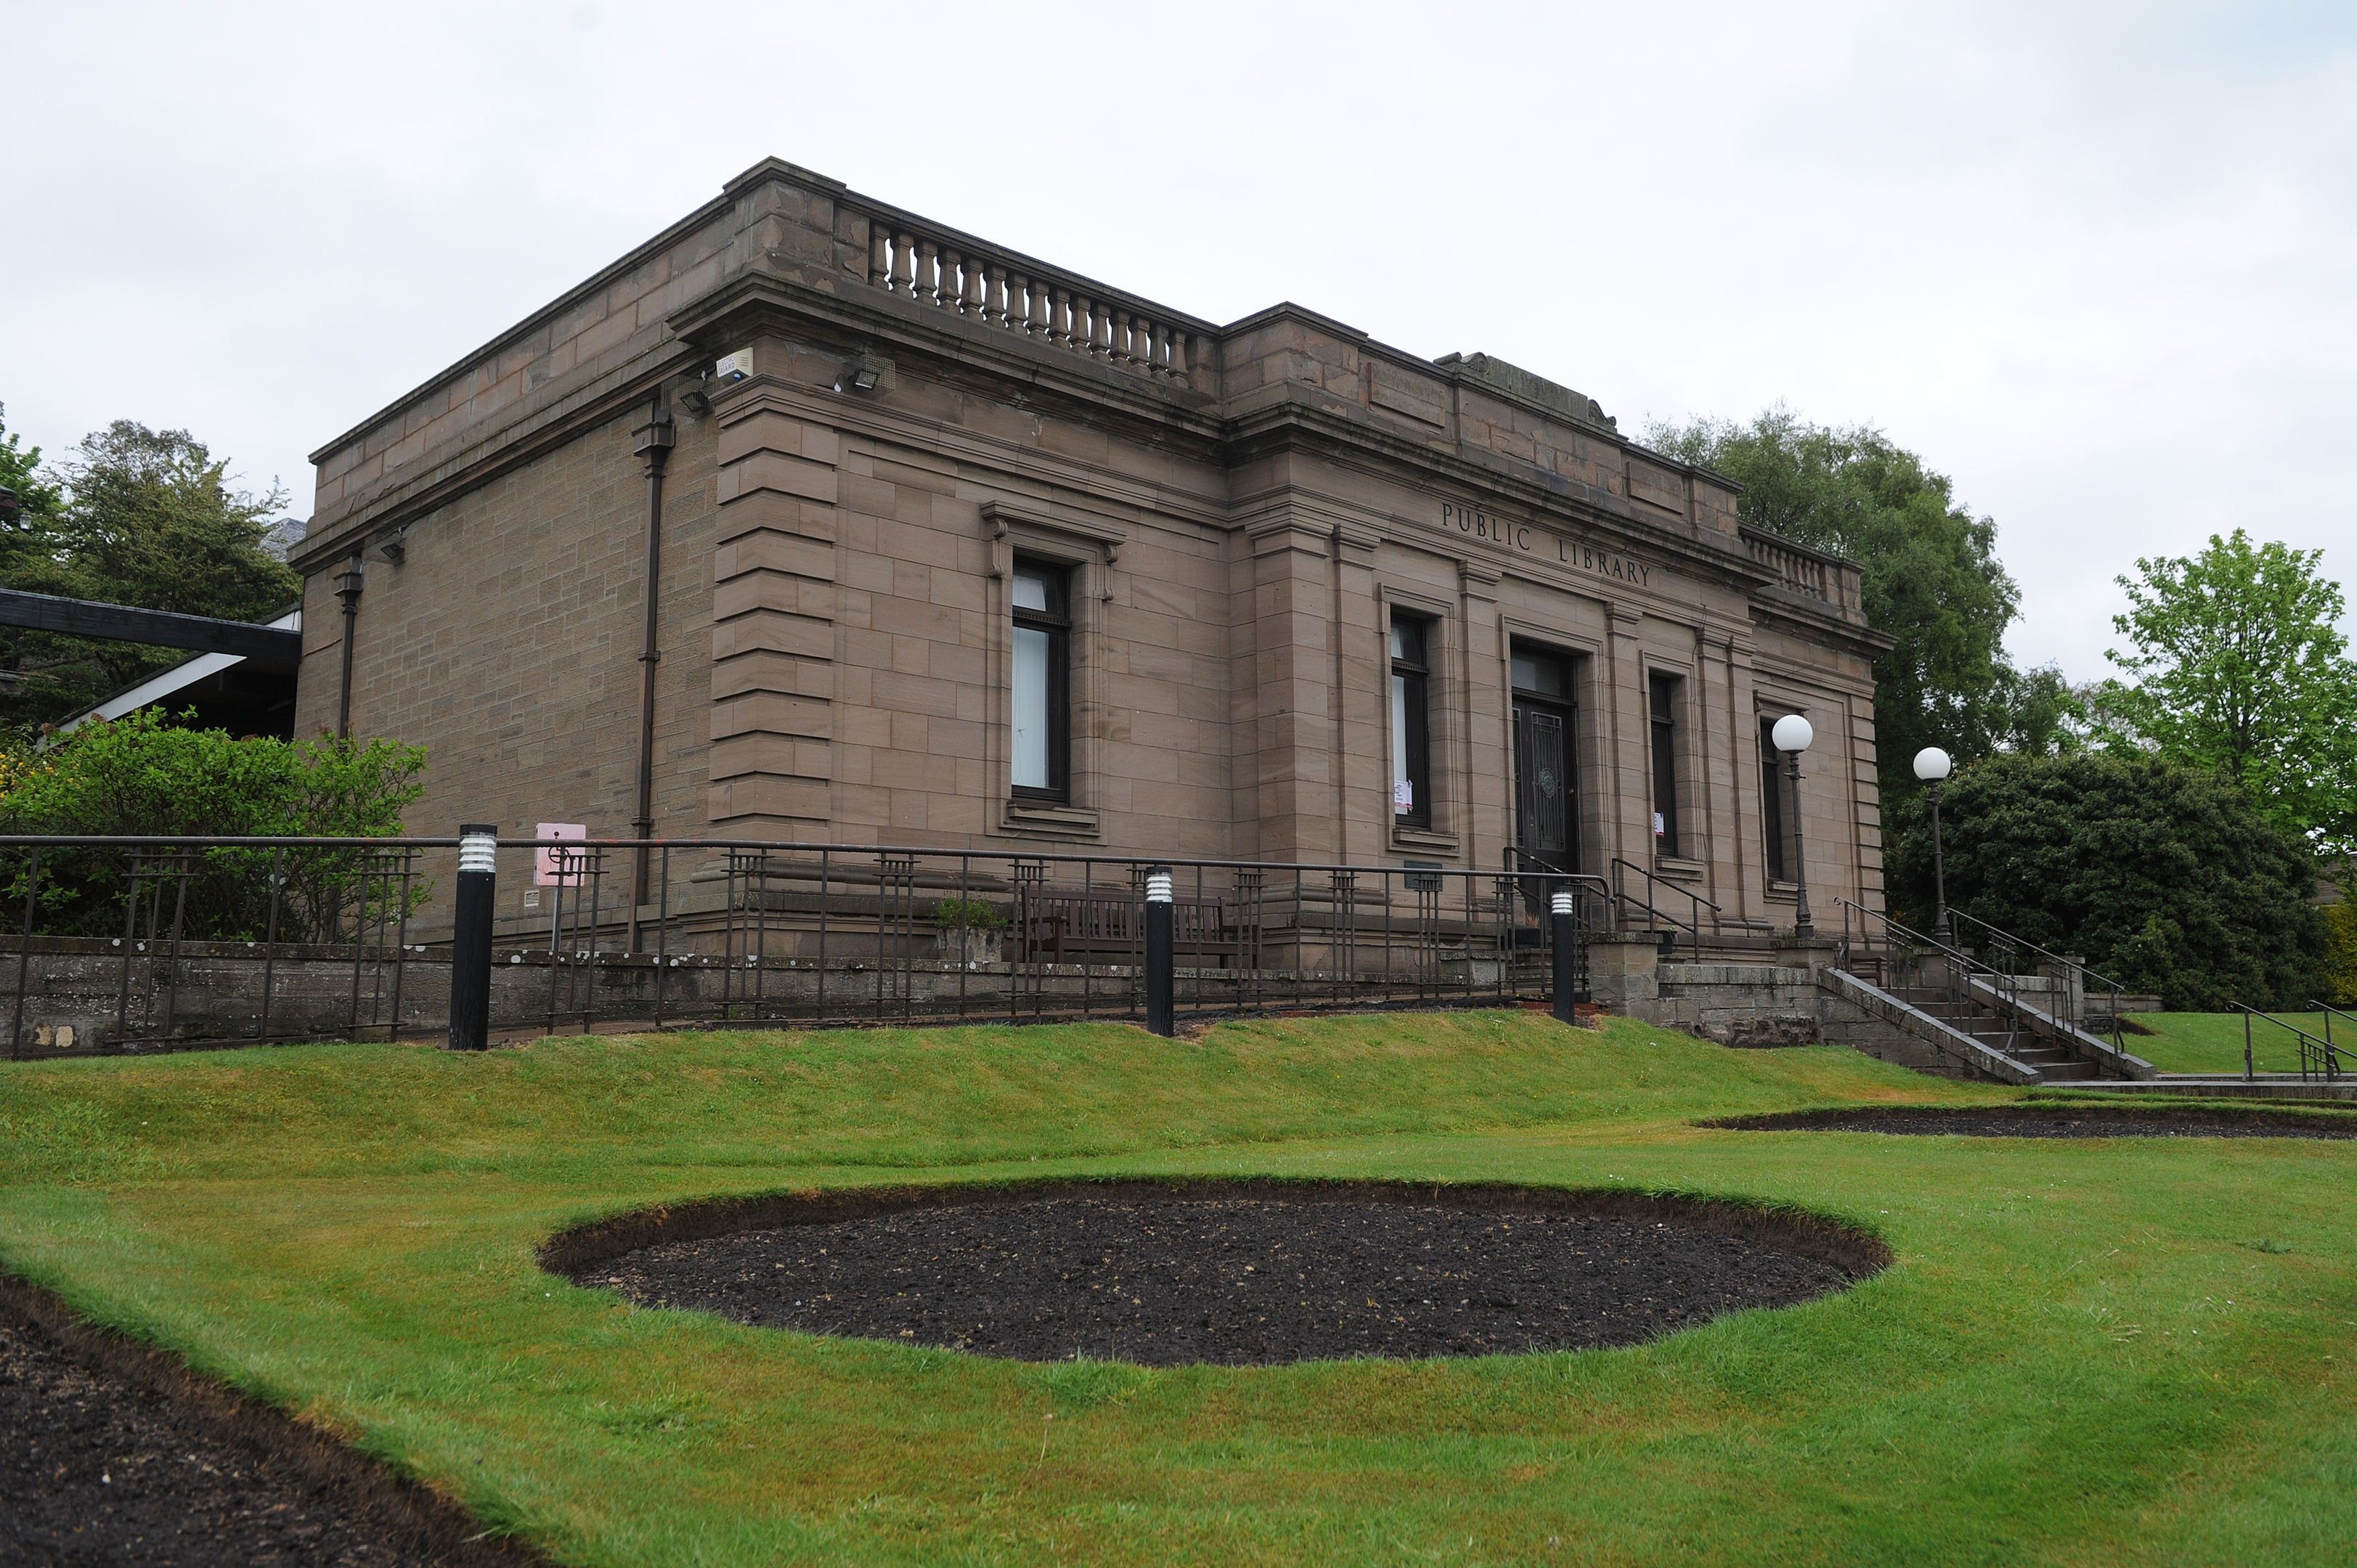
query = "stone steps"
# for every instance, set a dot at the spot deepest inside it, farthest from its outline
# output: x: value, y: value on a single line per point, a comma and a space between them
x: 1983, y: 1023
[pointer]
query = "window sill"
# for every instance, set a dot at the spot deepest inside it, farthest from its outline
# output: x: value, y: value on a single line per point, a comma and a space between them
x: 1678, y: 868
x: 1784, y: 891
x: 1424, y: 841
x: 1047, y: 819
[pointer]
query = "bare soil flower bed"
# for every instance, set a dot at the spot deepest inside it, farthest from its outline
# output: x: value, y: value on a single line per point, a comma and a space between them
x: 109, y: 1454
x: 2054, y: 1122
x: 1166, y: 1279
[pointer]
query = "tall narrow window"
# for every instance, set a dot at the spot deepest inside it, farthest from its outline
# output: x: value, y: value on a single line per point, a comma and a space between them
x: 1772, y: 799
x: 1043, y: 723
x: 1664, y: 708
x: 1411, y: 725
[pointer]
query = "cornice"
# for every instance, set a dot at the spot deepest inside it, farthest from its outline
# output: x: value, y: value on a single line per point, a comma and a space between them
x: 1313, y: 424
x: 1797, y: 613
x: 588, y: 288
x: 495, y: 453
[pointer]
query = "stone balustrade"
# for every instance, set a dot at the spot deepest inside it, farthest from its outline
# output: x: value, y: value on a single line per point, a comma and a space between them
x: 1046, y: 304
x: 1810, y: 573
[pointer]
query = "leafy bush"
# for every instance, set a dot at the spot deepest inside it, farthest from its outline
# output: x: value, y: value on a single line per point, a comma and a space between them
x: 973, y: 913
x: 141, y: 776
x: 2164, y: 879
x: 2340, y: 955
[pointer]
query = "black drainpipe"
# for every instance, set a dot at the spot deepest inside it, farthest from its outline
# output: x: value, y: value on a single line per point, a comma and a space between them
x: 348, y: 588
x: 655, y: 438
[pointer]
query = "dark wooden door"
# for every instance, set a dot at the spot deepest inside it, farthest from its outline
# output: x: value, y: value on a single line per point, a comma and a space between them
x: 1546, y: 819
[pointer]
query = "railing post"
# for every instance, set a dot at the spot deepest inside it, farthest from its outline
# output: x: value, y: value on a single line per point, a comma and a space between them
x: 24, y: 957
x: 1158, y: 960
x: 470, y: 937
x: 2247, y: 1073
x: 1565, y: 937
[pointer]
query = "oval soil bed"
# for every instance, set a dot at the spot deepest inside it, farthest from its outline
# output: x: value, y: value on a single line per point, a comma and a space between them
x: 1229, y: 1274
x: 2050, y: 1122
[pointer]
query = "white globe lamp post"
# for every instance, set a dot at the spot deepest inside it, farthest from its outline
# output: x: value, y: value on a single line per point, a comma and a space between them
x: 1791, y: 736
x: 1932, y: 764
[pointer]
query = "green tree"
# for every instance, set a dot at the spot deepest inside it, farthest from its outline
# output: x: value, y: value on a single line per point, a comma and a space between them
x: 32, y: 532
x: 144, y: 774
x: 1928, y: 577
x: 2164, y: 878
x: 2238, y: 667
x: 144, y: 517
x: 2340, y: 955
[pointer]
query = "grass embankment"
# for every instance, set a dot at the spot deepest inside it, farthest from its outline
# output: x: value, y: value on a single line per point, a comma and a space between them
x: 2103, y: 1351
x: 2212, y: 1042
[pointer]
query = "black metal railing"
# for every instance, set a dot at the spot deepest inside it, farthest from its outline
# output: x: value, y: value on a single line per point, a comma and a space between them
x: 1594, y: 908
x: 2072, y: 982
x: 1654, y: 918
x: 157, y: 944
x: 1900, y: 959
x: 2329, y: 1013
x: 2319, y: 1056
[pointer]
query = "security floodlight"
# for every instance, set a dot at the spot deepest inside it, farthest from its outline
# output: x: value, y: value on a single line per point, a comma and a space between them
x: 867, y: 373
x: 1932, y: 764
x: 1792, y: 733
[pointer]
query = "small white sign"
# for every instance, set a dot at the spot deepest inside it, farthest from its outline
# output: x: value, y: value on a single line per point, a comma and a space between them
x: 544, y: 869
x: 1659, y: 829
x: 1403, y: 795
x: 734, y: 367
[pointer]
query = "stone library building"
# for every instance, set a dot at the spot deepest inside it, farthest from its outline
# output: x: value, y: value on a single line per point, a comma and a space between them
x: 814, y: 520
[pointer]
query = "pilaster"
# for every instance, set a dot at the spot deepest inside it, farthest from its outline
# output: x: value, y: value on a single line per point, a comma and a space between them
x: 1626, y: 817
x: 1866, y: 786
x: 1294, y: 782
x: 773, y: 612
x: 1361, y: 678
x: 1489, y: 822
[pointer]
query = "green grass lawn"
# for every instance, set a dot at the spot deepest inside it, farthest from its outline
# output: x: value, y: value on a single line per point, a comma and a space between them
x: 2093, y: 1352
x: 2212, y: 1042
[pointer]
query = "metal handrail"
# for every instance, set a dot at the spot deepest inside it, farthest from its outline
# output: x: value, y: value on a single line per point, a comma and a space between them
x: 2060, y: 966
x: 2330, y: 1012
x: 1535, y: 867
x: 2316, y: 1055
x: 1959, y: 964
x: 1692, y: 928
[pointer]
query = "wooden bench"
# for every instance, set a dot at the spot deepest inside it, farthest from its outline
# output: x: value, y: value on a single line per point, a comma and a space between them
x: 1060, y: 925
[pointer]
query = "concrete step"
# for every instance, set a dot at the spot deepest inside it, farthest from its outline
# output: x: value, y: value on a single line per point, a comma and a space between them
x: 2072, y: 1071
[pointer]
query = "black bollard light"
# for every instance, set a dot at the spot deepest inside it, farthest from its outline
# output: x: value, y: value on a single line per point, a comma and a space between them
x: 1158, y: 1018
x: 1565, y: 937
x: 470, y: 940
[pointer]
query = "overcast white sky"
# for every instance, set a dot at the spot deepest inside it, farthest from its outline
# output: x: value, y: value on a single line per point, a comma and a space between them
x: 2093, y: 262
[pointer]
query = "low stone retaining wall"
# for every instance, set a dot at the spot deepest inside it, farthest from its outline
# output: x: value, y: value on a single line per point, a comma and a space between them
x: 81, y: 998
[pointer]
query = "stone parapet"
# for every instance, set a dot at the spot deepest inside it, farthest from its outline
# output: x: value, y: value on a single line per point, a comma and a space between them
x: 1623, y: 972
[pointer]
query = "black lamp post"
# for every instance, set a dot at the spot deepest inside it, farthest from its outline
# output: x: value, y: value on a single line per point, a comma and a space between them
x: 349, y: 584
x: 1791, y: 736
x: 1932, y: 764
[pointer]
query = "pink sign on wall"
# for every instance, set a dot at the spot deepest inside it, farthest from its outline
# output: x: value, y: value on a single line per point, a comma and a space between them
x: 545, y: 871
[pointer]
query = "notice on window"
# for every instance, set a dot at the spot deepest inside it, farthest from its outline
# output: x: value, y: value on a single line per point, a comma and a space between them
x: 1403, y: 795
x: 1659, y: 829
x: 546, y: 870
